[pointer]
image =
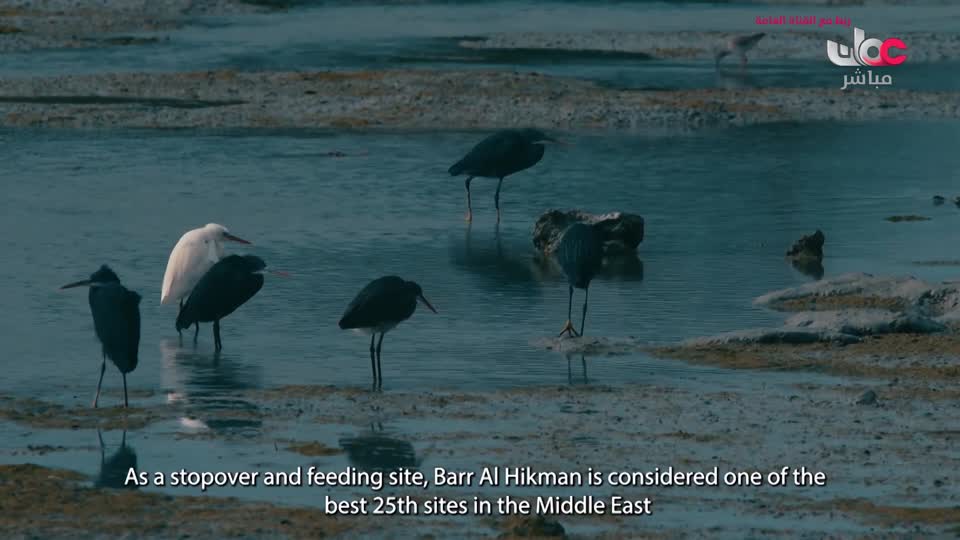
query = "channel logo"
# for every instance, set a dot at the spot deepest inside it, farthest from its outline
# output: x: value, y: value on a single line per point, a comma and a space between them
x: 860, y: 54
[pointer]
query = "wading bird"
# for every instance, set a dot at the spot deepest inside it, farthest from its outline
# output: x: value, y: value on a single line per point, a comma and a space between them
x: 379, y: 307
x: 195, y: 253
x: 737, y: 45
x: 581, y: 256
x: 116, y: 320
x: 228, y: 284
x: 500, y: 155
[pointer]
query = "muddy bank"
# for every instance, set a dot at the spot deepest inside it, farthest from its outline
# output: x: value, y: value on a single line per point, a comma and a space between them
x: 424, y: 100
x: 818, y: 424
x: 45, y: 503
x: 779, y: 43
x: 58, y: 24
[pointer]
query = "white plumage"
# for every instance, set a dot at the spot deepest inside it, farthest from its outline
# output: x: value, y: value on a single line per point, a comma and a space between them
x: 194, y: 254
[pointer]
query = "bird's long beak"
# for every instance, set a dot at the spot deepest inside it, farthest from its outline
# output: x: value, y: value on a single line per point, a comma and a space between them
x: 280, y: 273
x: 559, y: 141
x: 237, y: 239
x: 83, y: 283
x: 426, y: 303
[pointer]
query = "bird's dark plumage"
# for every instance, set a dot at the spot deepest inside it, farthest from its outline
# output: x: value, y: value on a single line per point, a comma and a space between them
x: 383, y: 302
x: 116, y: 321
x: 499, y: 156
x: 226, y: 286
x: 580, y: 254
x: 502, y: 154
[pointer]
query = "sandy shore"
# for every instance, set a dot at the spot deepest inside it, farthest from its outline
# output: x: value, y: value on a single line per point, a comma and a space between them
x: 425, y: 100
x: 62, y: 24
x: 879, y: 484
x: 777, y: 44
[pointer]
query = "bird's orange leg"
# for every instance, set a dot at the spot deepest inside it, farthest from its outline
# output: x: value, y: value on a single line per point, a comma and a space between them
x: 568, y: 327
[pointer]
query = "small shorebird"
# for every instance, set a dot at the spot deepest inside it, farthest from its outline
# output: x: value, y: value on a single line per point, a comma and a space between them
x: 378, y: 308
x: 737, y: 45
x: 116, y: 321
x: 500, y: 155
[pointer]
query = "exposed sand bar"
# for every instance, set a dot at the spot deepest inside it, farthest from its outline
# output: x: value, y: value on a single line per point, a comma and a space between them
x: 426, y: 100
x: 876, y: 454
x: 781, y: 42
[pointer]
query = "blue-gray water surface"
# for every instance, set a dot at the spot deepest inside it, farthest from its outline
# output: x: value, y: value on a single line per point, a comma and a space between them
x: 720, y: 207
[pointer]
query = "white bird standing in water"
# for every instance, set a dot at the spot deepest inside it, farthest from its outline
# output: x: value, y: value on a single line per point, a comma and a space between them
x: 737, y: 45
x: 196, y: 252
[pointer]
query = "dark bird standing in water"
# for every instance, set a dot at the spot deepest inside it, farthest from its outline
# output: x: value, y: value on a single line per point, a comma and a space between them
x: 500, y: 155
x: 116, y: 320
x: 379, y: 307
x: 738, y: 45
x: 581, y: 256
x: 226, y: 286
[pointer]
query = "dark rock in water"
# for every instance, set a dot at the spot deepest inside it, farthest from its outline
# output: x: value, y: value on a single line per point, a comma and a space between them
x: 809, y: 267
x: 808, y: 247
x: 938, y: 200
x: 956, y: 200
x: 867, y: 398
x: 622, y: 232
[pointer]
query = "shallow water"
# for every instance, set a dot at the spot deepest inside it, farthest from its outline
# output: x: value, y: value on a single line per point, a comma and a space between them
x: 720, y: 207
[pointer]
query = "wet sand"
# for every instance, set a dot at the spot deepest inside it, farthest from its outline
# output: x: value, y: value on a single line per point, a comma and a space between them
x: 879, y: 484
x: 425, y: 100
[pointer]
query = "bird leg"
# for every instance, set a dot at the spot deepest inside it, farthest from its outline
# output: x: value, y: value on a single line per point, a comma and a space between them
x: 373, y: 360
x: 379, y: 367
x: 568, y: 327
x: 125, y: 402
x: 179, y: 333
x: 586, y: 294
x: 496, y: 198
x: 216, y: 335
x: 466, y: 184
x: 103, y: 367
x: 196, y: 333
x: 583, y: 360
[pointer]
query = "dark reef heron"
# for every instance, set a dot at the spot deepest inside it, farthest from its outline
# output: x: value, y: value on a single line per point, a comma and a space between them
x: 581, y: 256
x: 226, y: 286
x: 116, y: 321
x: 500, y: 155
x: 378, y: 308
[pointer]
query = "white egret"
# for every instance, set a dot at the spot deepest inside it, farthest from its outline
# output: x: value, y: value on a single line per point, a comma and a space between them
x: 195, y: 253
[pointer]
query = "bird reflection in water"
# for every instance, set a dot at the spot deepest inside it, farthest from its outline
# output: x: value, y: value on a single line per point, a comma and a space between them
x: 583, y: 363
x: 497, y: 259
x: 208, y: 383
x: 376, y: 451
x: 113, y: 471
x: 736, y: 80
